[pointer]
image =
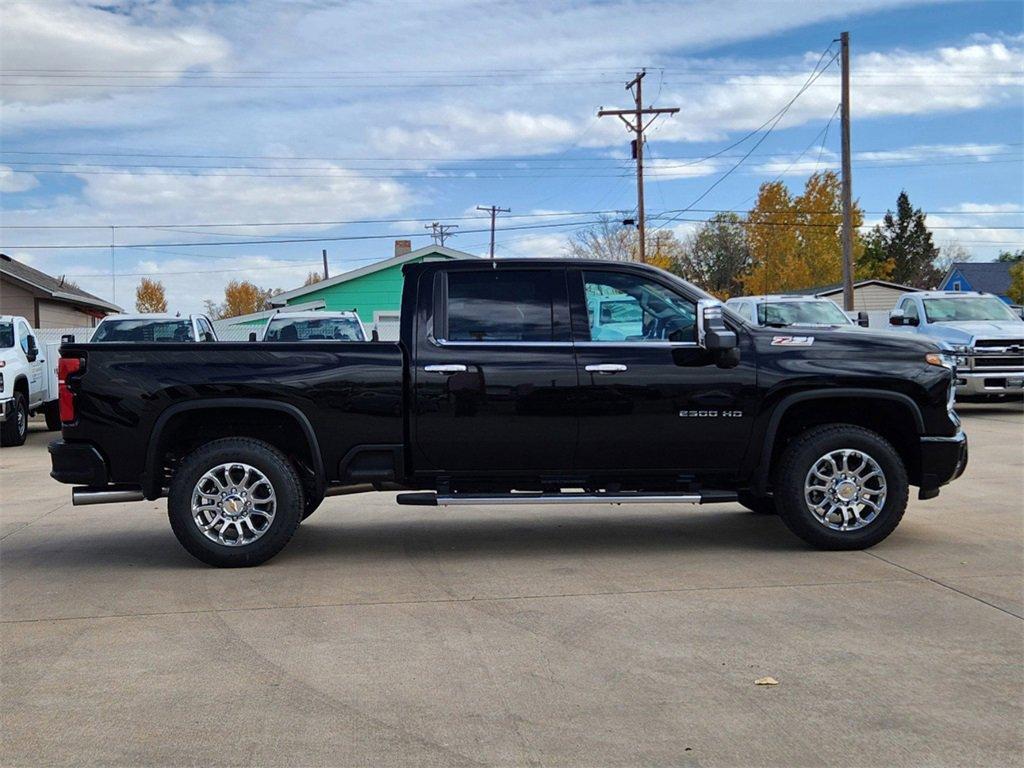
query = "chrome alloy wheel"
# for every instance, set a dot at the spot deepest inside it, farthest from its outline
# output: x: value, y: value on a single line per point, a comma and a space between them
x: 233, y: 504
x: 845, y: 490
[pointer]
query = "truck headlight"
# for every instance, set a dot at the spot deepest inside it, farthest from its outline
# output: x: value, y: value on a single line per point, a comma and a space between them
x: 941, y: 359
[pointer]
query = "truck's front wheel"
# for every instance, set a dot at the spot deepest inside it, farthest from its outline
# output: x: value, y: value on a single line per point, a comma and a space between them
x: 235, y: 502
x: 14, y: 431
x: 841, y: 486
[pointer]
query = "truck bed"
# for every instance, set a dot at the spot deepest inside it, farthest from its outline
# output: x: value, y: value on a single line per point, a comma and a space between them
x: 348, y: 393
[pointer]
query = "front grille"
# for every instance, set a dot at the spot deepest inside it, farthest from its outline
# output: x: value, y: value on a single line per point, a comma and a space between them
x: 999, y: 361
x: 999, y: 343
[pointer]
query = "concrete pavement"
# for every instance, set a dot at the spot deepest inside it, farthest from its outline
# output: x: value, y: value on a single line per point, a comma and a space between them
x: 529, y: 636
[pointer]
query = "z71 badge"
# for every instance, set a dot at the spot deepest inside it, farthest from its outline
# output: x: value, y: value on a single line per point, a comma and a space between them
x: 792, y: 341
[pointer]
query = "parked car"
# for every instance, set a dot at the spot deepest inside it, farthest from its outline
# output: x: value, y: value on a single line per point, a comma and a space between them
x: 986, y: 335
x: 154, y: 327
x: 28, y: 380
x: 313, y: 326
x: 781, y: 311
x: 498, y: 392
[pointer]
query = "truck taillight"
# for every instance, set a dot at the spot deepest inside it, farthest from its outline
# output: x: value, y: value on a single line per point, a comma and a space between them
x: 66, y: 397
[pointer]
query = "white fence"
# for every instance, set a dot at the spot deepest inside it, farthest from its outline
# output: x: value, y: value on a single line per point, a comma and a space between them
x: 46, y: 336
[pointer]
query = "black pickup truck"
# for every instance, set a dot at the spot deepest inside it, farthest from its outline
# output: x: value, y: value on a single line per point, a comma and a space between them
x: 517, y: 382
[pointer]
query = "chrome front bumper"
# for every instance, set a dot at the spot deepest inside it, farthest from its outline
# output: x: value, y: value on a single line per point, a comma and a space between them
x: 976, y: 383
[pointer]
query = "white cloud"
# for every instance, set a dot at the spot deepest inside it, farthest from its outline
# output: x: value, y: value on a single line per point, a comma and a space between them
x: 980, y: 152
x: 68, y: 43
x: 11, y: 182
x: 154, y: 197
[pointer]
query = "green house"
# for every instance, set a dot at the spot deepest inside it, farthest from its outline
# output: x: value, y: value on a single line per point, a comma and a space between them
x: 373, y: 291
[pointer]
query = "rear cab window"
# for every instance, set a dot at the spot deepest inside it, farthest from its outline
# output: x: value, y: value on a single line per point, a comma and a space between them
x: 506, y: 306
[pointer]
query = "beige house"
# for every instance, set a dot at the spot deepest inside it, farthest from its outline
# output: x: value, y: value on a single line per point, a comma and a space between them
x: 47, y: 302
x: 868, y: 295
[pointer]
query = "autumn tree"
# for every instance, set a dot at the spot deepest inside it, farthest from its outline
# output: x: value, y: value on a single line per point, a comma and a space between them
x: 312, y: 277
x: 150, y: 296
x: 772, y: 239
x: 904, y: 241
x: 716, y: 256
x: 1016, y: 289
x: 241, y: 297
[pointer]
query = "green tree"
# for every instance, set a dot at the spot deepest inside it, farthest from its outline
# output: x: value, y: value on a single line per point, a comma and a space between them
x: 716, y: 256
x: 904, y: 241
x: 1016, y: 289
x: 1011, y: 256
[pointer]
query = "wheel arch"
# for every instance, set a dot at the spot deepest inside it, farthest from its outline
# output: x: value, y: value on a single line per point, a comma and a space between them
x: 795, y: 413
x: 301, y: 437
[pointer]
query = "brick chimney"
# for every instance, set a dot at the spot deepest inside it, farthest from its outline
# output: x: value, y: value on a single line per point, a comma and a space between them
x: 403, y: 247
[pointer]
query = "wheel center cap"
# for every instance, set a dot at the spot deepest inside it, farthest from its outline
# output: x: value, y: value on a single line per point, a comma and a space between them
x: 234, y: 506
x: 846, y: 490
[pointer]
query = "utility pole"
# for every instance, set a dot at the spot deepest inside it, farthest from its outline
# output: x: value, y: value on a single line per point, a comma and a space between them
x: 494, y: 211
x: 326, y: 274
x: 847, y: 189
x: 637, y: 127
x: 113, y: 270
x: 441, y: 232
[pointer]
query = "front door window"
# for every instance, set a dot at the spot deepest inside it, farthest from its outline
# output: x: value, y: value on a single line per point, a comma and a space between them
x: 625, y: 307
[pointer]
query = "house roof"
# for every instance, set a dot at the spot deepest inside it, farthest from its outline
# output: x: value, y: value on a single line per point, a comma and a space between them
x: 55, y: 288
x: 344, y: 277
x: 827, y: 290
x: 984, y: 276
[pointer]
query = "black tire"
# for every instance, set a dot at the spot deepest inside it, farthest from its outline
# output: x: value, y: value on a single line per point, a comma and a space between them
x: 52, y: 413
x: 762, y: 505
x: 263, y: 457
x: 796, y: 463
x: 14, y: 431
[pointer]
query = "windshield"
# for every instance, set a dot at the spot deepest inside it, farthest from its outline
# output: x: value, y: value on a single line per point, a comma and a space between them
x: 800, y: 313
x: 314, y: 329
x: 6, y: 335
x: 144, y: 330
x: 961, y: 309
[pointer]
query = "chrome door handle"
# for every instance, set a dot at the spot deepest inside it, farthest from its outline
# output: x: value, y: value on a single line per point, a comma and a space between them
x: 455, y: 368
x: 607, y: 368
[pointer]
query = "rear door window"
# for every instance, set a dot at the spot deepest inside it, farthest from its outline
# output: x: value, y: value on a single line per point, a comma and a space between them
x: 520, y: 305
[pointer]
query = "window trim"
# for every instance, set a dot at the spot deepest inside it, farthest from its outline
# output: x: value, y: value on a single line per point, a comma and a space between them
x: 560, y: 304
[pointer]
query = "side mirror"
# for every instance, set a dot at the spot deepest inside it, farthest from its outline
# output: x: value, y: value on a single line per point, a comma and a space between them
x: 862, y: 319
x: 33, y: 349
x: 67, y: 338
x: 252, y: 335
x: 896, y: 317
x: 712, y: 332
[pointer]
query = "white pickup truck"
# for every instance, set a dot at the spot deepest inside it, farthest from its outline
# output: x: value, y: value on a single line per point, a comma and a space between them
x: 28, y: 380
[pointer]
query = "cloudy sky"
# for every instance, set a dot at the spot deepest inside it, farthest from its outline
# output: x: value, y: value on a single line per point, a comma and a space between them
x: 343, y: 125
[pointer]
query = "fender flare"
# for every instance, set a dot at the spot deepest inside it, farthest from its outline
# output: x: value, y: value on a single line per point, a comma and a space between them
x: 779, y: 411
x: 149, y: 477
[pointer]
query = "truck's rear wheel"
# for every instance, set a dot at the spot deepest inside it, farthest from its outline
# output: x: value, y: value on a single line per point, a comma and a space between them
x: 14, y: 431
x: 235, y: 502
x: 841, y: 487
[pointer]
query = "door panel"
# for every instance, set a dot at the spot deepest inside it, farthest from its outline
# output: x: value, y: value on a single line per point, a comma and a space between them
x: 668, y: 408
x: 495, y: 382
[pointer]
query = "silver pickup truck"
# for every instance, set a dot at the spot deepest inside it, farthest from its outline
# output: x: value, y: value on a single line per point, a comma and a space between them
x: 984, y: 333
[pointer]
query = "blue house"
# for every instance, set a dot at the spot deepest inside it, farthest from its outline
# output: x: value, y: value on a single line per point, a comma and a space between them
x: 986, y: 277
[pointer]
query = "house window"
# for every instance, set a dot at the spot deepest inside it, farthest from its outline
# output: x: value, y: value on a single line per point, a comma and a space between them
x: 956, y: 285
